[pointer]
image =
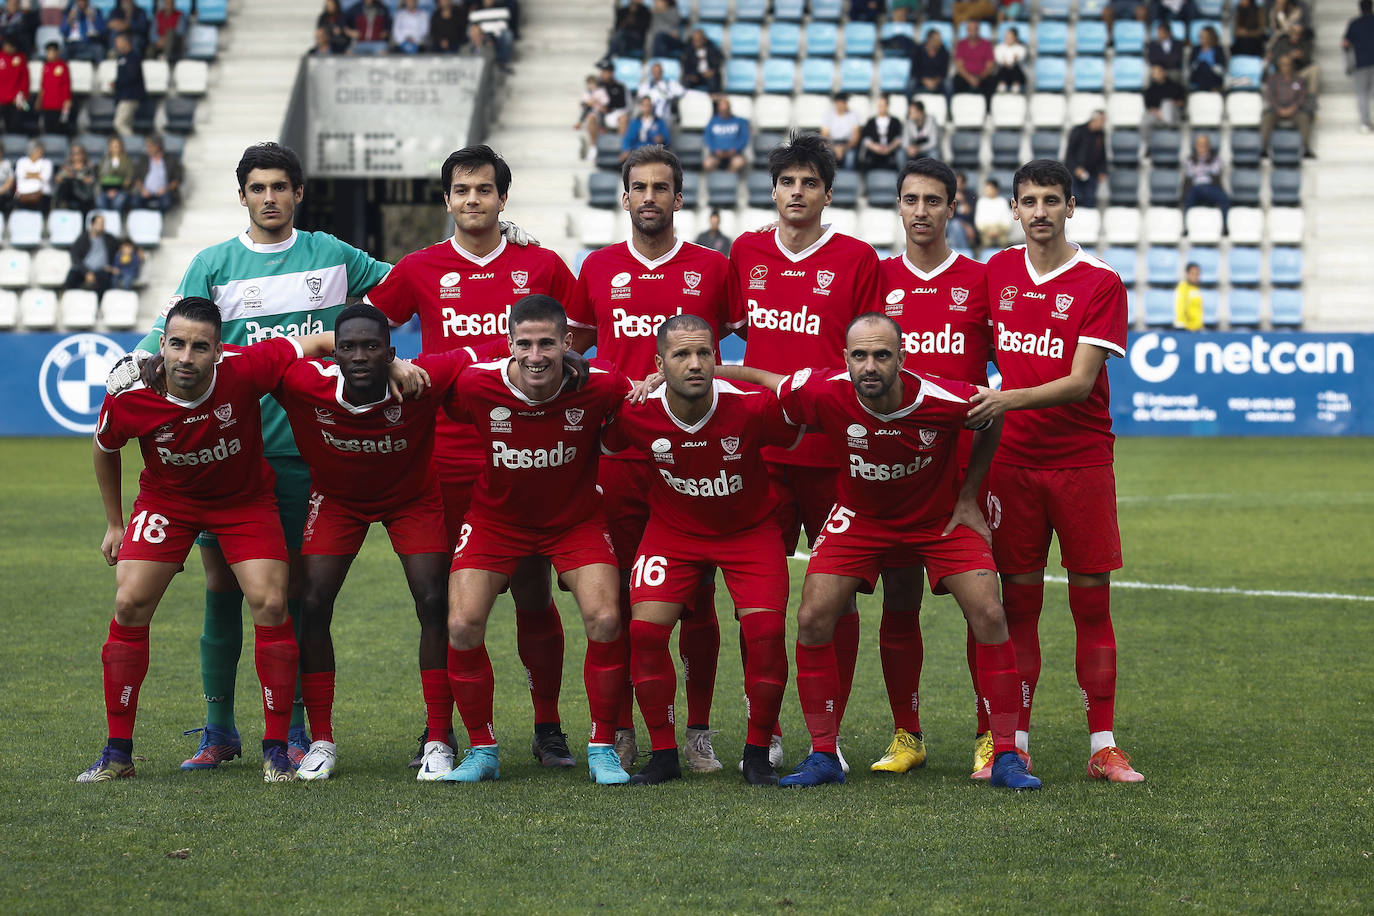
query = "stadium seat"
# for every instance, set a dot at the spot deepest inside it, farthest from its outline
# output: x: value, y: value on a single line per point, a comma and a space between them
x: 100, y: 114
x: 119, y: 309
x: 845, y: 221
x: 1128, y: 73
x: 1122, y: 260
x: 750, y: 10
x: 893, y: 73
x: 1245, y: 148
x: 1203, y: 225
x: 1245, y: 187
x: 1245, y: 73
x: 745, y: 39
x: 179, y: 115
x: 784, y: 40
x: 1285, y: 225
x: 967, y: 111
x: 880, y: 187
x: 1243, y: 307
x: 808, y: 110
x: 1163, y: 267
x: 1212, y: 9
x: 1245, y: 225
x: 715, y: 31
x: 1090, y: 37
x: 772, y: 113
x: 779, y: 76
x: 1164, y: 187
x: 1196, y: 26
x: 105, y: 74
x: 1055, y: 9
x: 722, y: 190
x: 758, y: 187
x: 157, y: 77
x: 603, y: 190
x: 1285, y: 266
x: 50, y: 266
x: 16, y: 267
x: 9, y: 309
x: 1159, y: 307
x: 822, y: 39
x: 1089, y: 74
x: 1204, y: 109
x: 26, y: 228
x: 1243, y: 265
x: 694, y: 109
x: 114, y: 222
x: 1285, y: 147
x: 1285, y: 189
x: 1243, y: 109
x: 1123, y: 186
x: 145, y: 116
x: 1125, y: 148
x: 713, y: 10
x: 1084, y: 228
x: 965, y: 149
x: 1128, y: 37
x: 1083, y: 104
x: 845, y: 192
x: 628, y: 70
x: 202, y: 42
x: 741, y: 75
x: 1163, y: 225
x: 1045, y: 144
x: 685, y: 223
x: 1009, y: 110
x: 878, y: 228
x: 946, y: 30
x: 1121, y: 225
x: 856, y: 76
x: 1006, y: 150
x: 1165, y: 144
x: 691, y: 195
x: 78, y: 308
x: 1050, y: 74
x: 827, y: 10
x: 189, y: 77
x: 37, y: 309
x: 596, y: 228
x: 891, y: 29
x: 937, y: 106
x: 860, y: 39
x: 818, y: 75
x: 788, y: 10
x: 1208, y: 260
x: 608, y: 151
x: 1211, y: 306
x: 1285, y: 307
x: 64, y: 227
x: 1125, y: 109
x: 689, y: 148
x: 212, y: 11
x: 672, y: 67
x: 55, y: 147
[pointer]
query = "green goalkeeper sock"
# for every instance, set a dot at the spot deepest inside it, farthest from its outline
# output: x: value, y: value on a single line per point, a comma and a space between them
x: 220, y: 644
x: 293, y: 607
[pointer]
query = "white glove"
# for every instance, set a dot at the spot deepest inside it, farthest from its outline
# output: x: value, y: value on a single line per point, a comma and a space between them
x: 124, y: 373
x: 517, y: 236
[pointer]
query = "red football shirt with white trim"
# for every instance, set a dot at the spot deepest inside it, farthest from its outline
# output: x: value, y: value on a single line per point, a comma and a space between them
x: 900, y: 467
x: 539, y: 458
x: 797, y: 306
x: 946, y: 332
x: 1039, y: 323
x: 710, y: 476
x: 208, y: 450
x: 465, y: 301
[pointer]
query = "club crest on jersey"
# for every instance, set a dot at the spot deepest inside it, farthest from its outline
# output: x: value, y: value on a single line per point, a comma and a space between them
x: 1006, y: 298
x: 691, y: 278
x: 521, y: 279
x: 224, y: 411
x: 927, y: 437
x: 757, y: 275
x: 1061, y: 306
x: 314, y: 284
x: 574, y: 417
x: 392, y: 414
x: 730, y: 444
x: 500, y: 419
x: 823, y: 280
x: 324, y: 416
x: 958, y: 294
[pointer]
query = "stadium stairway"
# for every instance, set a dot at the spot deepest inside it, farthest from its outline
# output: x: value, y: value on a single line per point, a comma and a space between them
x: 1338, y: 194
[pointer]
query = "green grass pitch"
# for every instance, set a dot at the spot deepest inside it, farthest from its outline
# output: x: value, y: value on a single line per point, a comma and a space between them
x: 1249, y: 714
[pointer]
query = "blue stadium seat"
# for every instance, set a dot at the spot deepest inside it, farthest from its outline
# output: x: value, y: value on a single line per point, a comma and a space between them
x: 818, y: 75
x: 745, y: 38
x: 1122, y: 260
x: 1164, y: 187
x: 688, y: 145
x: 1089, y: 74
x: 1045, y: 144
x: 1285, y: 147
x: 741, y: 76
x: 860, y: 38
x: 722, y: 189
x: 1285, y: 266
x: 1243, y: 265
x: 581, y: 256
x: 779, y: 75
x: 714, y: 31
x: 1285, y: 307
x: 845, y: 191
x: 880, y: 187
x: 784, y: 40
x: 893, y: 73
x: 1125, y: 147
x: 213, y: 12
x: 821, y: 39
x: 856, y: 75
x: 1162, y: 267
x: 1212, y: 9
x: 946, y: 30
x: 1128, y: 37
x: 827, y: 10
x: 1050, y: 73
x: 965, y: 148
x: 1165, y: 143
x: 1245, y: 147
x: 1159, y: 307
x: 758, y: 184
x: 1285, y: 187
x: 1211, y: 306
x: 895, y: 29
x: 1245, y: 186
x: 628, y: 71
x: 1055, y: 9
x: 1123, y: 186
x: 713, y: 10
x: 788, y: 10
x: 1208, y: 260
x: 691, y: 190
x: 1176, y: 29
x: 1128, y: 73
x: 1245, y: 73
x: 1090, y: 37
x: 1243, y: 307
x: 1197, y: 25
x: 1052, y: 38
x: 672, y: 67
x: 1006, y: 151
x: 751, y: 10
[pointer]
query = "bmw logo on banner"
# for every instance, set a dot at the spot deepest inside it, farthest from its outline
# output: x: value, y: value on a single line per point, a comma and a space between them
x: 71, y: 381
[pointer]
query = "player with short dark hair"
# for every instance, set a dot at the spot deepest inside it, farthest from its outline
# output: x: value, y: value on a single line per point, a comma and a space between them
x: 1061, y: 312
x: 709, y: 507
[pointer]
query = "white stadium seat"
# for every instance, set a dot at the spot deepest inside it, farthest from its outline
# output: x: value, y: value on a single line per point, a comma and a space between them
x: 846, y: 221
x: 596, y: 228
x: 1243, y: 109
x: 1083, y: 104
x: 694, y: 109
x: 754, y: 217
x: 1008, y: 110
x: 105, y: 77
x: 742, y: 106
x: 38, y: 308
x: 26, y: 228
x: 114, y: 223
x: 878, y: 228
x: 1246, y: 225
x: 1085, y: 227
x: 190, y: 77
x: 809, y: 109
x: 862, y: 107
x: 1048, y: 109
x: 1125, y: 109
x: 1285, y: 225
x: 144, y: 228
x: 1204, y: 109
x: 1163, y: 225
x: 936, y: 107
x: 685, y: 224
x: 50, y: 267
x: 773, y: 112
x: 78, y: 308
x: 119, y: 309
x: 968, y: 110
x: 157, y: 77
x: 64, y: 227
x: 1121, y: 226
x: 9, y: 308
x: 83, y: 75
x: 729, y: 225
x: 1204, y: 225
x: 15, y: 268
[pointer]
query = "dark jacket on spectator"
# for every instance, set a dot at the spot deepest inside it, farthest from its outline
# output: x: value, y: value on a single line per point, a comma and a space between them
x: 1087, y: 150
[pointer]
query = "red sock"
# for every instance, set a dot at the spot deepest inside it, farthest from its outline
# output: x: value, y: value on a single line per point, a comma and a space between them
x: 901, y: 651
x: 276, y: 656
x: 539, y: 640
x: 125, y: 660
x: 744, y: 660
x: 625, y: 715
x: 1095, y: 655
x: 846, y: 642
x: 605, y: 673
x: 651, y: 668
x: 971, y: 650
x: 473, y: 686
x: 818, y: 683
x: 698, y: 643
x: 438, y: 694
x: 998, y: 683
x: 1023, y: 603
x: 317, y: 688
x: 765, y: 672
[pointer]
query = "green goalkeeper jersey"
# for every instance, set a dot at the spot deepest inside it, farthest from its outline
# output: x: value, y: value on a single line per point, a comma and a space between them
x: 290, y: 288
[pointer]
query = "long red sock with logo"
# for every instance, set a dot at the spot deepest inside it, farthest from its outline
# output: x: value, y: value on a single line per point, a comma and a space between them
x: 625, y: 713
x: 473, y: 686
x: 846, y: 641
x: 1023, y: 603
x: 818, y: 686
x: 971, y: 651
x: 651, y: 668
x: 902, y: 651
x: 317, y: 687
x: 744, y: 661
x: 276, y: 656
x: 998, y: 683
x: 698, y: 644
x: 765, y: 673
x: 605, y: 672
x: 124, y: 659
x: 438, y: 694
x: 1095, y: 653
x: 539, y: 640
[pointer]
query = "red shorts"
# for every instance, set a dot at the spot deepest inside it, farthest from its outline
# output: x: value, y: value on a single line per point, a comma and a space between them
x: 1025, y: 505
x: 804, y: 498
x: 457, y: 497
x: 625, y: 495
x: 670, y: 566
x: 335, y: 528
x: 163, y: 532
x: 490, y: 545
x: 862, y: 547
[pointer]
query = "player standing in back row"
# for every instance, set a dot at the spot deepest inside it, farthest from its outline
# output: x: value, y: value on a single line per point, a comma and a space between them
x: 1060, y: 313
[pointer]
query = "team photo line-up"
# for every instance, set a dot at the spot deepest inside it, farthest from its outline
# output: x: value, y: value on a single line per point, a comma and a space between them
x: 861, y: 416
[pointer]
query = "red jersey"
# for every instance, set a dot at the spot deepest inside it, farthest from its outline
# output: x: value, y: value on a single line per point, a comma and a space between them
x: 208, y: 450
x: 373, y: 457
x: 1040, y: 321
x: 797, y: 307
x: 539, y: 459
x: 56, y: 85
x: 711, y: 479
x: 901, y: 466
x: 14, y: 78
x: 943, y: 315
x: 464, y: 301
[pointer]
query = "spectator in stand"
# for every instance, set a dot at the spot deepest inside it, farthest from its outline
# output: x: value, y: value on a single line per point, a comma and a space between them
x: 1086, y: 157
x: 662, y: 91
x: 665, y: 29
x: 19, y: 23
x: 1188, y: 299
x: 594, y: 100
x: 1114, y: 10
x: 609, y: 107
x: 321, y: 47
x: 840, y: 127
x: 1296, y: 42
x: 76, y: 181
x: 880, y: 139
x: 114, y: 176
x: 93, y: 255
x: 1165, y: 52
x: 920, y: 133
x: 33, y: 180
x: 169, y: 30
x: 961, y: 231
x: 6, y: 185
x: 973, y: 11
x: 336, y: 26
x: 701, y: 63
x: 479, y: 44
x: 713, y: 237
x: 975, y: 67
x: 1171, y: 10
x: 1359, y: 44
x: 369, y: 25
x: 83, y: 31
x: 865, y: 10
x: 495, y: 20
x: 1010, y: 54
x: 410, y: 28
x: 157, y: 179
x: 1202, y: 178
x: 1010, y: 11
x: 14, y: 86
x: 131, y: 19
x: 1208, y: 73
x: 128, y: 262
x: 1286, y: 102
x: 646, y: 130
x: 129, y: 91
x: 1164, y: 98
x: 929, y: 66
x: 1284, y: 13
x: 1247, y: 25
x: 992, y: 215
x: 631, y: 30
x: 55, y: 92
x: 905, y: 10
x: 448, y: 27
x: 726, y: 139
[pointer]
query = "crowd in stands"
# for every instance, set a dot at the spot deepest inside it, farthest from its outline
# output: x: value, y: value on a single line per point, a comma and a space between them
x: 480, y: 28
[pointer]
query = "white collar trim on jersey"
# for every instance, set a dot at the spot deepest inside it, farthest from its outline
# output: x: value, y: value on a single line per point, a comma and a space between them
x: 901, y: 412
x: 827, y: 233
x: 480, y: 262
x: 332, y: 370
x: 273, y: 248
x: 191, y: 405
x: 505, y: 377
x: 651, y: 265
x: 661, y: 395
x: 944, y: 265
x: 1037, y: 279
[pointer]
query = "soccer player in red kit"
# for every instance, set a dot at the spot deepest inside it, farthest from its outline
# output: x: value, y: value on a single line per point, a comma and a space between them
x: 898, y: 504
x: 1060, y: 313
x: 798, y: 287
x: 710, y: 506
x: 462, y: 289
x: 203, y: 470
x: 624, y: 294
x: 536, y: 496
x: 940, y: 300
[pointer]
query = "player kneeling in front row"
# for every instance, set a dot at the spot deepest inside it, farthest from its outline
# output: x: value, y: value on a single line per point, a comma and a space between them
x: 896, y: 507
x: 203, y: 470
x: 709, y: 507
x: 536, y: 496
